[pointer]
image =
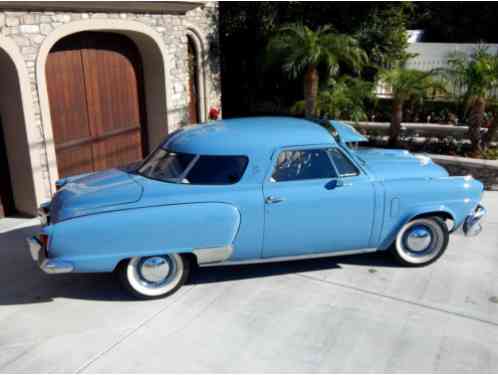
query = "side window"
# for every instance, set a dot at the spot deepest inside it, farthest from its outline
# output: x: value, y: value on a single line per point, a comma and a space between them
x: 302, y: 165
x: 342, y: 163
x: 217, y: 170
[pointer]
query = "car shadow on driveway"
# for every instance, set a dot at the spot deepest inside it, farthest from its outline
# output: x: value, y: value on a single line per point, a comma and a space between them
x: 238, y: 272
x: 22, y: 282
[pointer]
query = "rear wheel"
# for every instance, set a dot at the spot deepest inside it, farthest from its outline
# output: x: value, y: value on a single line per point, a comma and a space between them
x: 421, y: 241
x: 154, y: 276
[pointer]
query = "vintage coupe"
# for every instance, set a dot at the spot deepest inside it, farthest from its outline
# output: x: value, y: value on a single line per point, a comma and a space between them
x: 252, y: 190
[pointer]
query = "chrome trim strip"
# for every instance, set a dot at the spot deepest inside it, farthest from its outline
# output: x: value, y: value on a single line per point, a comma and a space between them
x: 213, y: 254
x: 296, y: 257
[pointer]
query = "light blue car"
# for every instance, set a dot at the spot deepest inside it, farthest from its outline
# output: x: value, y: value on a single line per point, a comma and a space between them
x: 252, y: 190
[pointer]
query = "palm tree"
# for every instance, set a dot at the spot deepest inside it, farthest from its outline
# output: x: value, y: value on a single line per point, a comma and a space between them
x: 491, y: 133
x: 302, y: 50
x: 473, y: 79
x: 344, y: 98
x: 407, y: 85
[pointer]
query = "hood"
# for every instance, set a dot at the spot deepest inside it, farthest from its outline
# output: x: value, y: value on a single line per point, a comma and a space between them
x: 88, y: 193
x: 395, y: 164
x: 347, y: 133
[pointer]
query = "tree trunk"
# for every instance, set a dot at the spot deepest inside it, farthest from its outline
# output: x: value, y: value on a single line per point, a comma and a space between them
x: 397, y: 117
x: 476, y: 120
x: 311, y: 80
x: 490, y: 135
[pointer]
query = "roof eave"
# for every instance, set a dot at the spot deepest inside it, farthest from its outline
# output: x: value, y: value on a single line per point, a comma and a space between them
x: 154, y: 7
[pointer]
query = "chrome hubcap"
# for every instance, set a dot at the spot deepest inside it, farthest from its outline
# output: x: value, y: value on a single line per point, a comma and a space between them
x: 418, y: 239
x: 155, y: 269
x: 155, y: 275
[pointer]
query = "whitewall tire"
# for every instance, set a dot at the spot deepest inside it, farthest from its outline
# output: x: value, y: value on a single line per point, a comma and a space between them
x: 421, y: 241
x: 154, y: 276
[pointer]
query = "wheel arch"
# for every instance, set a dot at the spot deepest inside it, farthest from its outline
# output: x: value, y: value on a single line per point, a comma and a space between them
x: 442, y: 212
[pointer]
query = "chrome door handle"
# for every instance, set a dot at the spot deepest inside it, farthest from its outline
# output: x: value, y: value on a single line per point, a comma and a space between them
x: 341, y: 183
x: 271, y: 199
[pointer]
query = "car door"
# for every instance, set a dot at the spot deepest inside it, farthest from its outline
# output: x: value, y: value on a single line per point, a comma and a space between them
x: 314, y: 206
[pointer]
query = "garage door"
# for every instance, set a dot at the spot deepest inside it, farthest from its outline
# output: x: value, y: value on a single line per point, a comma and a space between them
x: 96, y: 98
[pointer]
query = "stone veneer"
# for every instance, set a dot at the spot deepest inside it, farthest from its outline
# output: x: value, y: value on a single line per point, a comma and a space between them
x: 29, y: 29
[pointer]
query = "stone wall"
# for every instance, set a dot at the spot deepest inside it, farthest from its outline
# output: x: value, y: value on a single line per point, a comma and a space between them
x: 484, y: 170
x: 28, y: 30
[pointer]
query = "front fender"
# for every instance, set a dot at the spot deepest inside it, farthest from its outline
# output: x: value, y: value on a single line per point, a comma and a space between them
x: 404, y: 200
x: 97, y: 243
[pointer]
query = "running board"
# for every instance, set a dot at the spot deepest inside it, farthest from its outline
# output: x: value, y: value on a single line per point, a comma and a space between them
x: 290, y: 258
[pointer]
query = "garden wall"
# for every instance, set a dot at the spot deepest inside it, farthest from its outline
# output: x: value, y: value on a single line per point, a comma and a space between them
x: 420, y: 129
x: 484, y: 170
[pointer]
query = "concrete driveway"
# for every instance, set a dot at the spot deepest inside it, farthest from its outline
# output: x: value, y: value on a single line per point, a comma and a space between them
x: 361, y: 313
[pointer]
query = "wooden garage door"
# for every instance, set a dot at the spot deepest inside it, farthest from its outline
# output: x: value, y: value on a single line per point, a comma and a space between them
x: 96, y: 101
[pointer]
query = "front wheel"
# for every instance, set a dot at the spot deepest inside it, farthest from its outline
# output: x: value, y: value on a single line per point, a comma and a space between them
x: 421, y: 241
x: 154, y: 276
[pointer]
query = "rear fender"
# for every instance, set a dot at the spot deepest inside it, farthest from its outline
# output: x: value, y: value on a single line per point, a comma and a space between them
x: 97, y: 243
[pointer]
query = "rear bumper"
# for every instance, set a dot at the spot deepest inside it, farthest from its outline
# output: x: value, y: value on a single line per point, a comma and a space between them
x: 39, y: 255
x: 472, y: 224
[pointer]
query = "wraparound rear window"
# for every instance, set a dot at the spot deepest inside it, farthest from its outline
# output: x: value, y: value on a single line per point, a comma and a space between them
x: 186, y: 168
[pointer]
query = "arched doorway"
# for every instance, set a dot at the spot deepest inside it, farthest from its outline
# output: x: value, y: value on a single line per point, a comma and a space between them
x: 16, y: 174
x: 194, y: 115
x: 97, y: 102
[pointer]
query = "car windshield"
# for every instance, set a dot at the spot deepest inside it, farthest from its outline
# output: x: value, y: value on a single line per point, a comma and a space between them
x: 186, y: 168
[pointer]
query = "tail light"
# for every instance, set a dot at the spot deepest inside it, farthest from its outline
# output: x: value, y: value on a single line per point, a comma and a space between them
x: 59, y: 184
x: 44, y: 240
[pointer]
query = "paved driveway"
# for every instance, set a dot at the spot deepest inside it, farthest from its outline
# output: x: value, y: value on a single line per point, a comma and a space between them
x: 360, y: 313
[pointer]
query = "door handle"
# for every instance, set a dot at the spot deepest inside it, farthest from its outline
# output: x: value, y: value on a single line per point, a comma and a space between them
x: 341, y: 183
x: 271, y: 199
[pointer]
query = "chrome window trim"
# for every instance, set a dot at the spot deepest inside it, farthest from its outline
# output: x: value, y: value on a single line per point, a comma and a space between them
x: 187, y: 170
x: 358, y: 173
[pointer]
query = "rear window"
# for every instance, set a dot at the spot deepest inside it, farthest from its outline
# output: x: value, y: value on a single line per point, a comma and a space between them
x: 185, y: 168
x: 166, y: 166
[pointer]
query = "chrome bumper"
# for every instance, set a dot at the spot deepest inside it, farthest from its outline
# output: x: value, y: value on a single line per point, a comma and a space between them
x: 47, y: 265
x: 472, y: 224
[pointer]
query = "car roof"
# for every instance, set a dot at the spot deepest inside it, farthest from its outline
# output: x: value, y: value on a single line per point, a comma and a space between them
x: 247, y: 136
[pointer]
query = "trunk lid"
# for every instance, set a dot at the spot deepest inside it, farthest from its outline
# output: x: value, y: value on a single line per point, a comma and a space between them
x: 84, y: 194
